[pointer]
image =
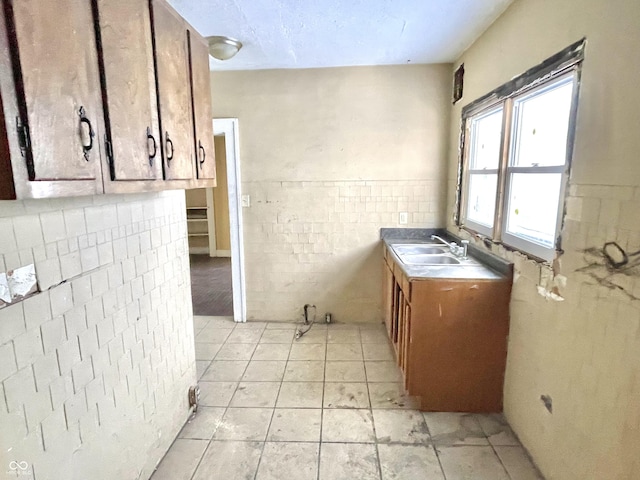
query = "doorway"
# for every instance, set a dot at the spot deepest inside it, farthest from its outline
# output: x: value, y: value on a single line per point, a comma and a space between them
x: 214, y: 221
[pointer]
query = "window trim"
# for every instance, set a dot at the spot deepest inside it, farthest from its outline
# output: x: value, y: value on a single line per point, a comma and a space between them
x: 565, y: 63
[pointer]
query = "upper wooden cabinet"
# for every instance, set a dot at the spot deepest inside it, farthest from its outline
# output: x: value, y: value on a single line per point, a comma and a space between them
x: 101, y: 96
x: 174, y: 92
x: 130, y: 103
x: 55, y: 120
x: 202, y: 118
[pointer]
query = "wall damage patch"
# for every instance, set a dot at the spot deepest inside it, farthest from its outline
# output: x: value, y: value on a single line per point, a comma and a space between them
x: 613, y: 268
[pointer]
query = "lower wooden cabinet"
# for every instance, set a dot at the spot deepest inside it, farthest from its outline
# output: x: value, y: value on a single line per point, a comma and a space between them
x: 450, y: 338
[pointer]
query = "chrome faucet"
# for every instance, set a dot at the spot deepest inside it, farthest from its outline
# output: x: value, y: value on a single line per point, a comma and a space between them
x: 458, y: 251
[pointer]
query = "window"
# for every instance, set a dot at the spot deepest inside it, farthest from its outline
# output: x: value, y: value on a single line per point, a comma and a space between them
x: 516, y: 157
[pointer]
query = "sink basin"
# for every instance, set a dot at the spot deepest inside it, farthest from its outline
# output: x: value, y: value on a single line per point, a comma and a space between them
x: 420, y: 259
x: 418, y: 249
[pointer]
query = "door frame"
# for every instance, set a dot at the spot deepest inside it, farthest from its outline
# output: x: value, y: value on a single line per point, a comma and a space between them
x: 229, y: 128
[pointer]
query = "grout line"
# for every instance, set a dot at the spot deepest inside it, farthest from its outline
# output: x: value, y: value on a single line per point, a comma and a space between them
x: 273, y: 411
x: 324, y: 383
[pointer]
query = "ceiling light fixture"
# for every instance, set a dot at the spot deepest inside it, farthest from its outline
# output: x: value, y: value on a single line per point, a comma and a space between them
x: 223, y: 48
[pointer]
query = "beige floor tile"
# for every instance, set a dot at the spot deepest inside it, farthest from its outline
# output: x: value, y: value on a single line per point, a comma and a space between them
x: 225, y: 371
x: 455, y: 429
x: 272, y: 351
x: 245, y: 335
x: 347, y: 425
x: 400, y: 426
x: 345, y: 372
x: 199, y: 321
x: 229, y: 460
x: 312, y: 351
x: 213, y: 335
x: 312, y: 336
x: 374, y: 336
x: 337, y: 326
x: 471, y: 463
x: 244, y: 424
x: 206, y: 351
x: 216, y: 394
x: 346, y: 395
x: 295, y: 425
x: 377, y: 351
x: 264, y: 371
x: 391, y: 395
x: 409, y: 462
x: 372, y: 326
x: 518, y: 464
x: 383, y: 372
x: 284, y: 460
x: 304, y: 371
x: 300, y: 395
x: 181, y: 460
x: 236, y: 351
x: 251, y: 325
x: 343, y: 336
x: 497, y: 430
x: 348, y: 461
x: 281, y: 326
x: 203, y: 424
x: 219, y: 322
x: 255, y: 394
x: 277, y: 336
x: 344, y: 351
x: 201, y: 366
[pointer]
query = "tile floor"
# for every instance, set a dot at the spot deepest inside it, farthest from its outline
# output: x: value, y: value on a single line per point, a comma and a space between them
x: 328, y: 406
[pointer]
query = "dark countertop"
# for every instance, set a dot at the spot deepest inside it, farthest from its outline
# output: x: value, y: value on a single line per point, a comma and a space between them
x: 489, y: 267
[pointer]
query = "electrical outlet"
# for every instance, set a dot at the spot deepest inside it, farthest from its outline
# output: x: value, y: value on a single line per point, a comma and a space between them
x: 403, y: 218
x: 246, y: 201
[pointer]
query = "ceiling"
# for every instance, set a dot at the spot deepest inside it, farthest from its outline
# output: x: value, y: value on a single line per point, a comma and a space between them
x: 331, y: 33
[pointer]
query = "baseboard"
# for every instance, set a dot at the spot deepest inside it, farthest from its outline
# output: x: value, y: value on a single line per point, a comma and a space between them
x: 223, y: 253
x: 199, y: 250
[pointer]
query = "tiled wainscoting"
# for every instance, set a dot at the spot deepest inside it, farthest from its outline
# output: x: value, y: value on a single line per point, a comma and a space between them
x: 327, y: 406
x: 94, y: 371
x: 318, y: 242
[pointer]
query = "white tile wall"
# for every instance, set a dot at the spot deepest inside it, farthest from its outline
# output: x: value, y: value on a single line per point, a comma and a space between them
x: 318, y: 242
x: 94, y: 371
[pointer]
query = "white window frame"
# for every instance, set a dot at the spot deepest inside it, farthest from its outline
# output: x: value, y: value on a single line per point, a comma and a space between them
x: 551, y: 73
x: 478, y: 227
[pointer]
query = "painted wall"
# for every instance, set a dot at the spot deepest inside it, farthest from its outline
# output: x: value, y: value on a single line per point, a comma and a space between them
x: 583, y: 351
x: 221, y: 197
x: 94, y: 371
x: 329, y: 156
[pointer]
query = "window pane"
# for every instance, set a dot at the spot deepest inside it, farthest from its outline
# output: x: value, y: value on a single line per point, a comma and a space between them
x: 541, y: 126
x: 485, y: 141
x: 533, y: 206
x: 481, y: 202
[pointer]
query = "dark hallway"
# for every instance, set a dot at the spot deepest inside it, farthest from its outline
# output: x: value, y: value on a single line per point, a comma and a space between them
x: 211, y: 285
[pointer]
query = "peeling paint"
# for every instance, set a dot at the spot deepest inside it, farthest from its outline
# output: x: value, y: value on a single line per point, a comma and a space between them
x: 22, y: 282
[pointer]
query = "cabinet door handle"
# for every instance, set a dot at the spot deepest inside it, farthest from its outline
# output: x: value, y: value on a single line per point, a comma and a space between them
x: 155, y: 146
x: 204, y: 153
x: 83, y: 119
x: 169, y: 143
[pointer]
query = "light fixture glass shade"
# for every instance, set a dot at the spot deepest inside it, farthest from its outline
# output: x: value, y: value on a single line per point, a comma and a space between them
x: 223, y: 48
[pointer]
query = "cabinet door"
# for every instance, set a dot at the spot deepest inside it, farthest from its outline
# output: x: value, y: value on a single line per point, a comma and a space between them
x: 387, y: 296
x: 55, y: 59
x: 202, y: 117
x: 174, y: 95
x: 129, y: 89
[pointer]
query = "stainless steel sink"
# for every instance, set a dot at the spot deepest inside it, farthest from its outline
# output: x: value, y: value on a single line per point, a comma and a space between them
x: 418, y: 249
x: 421, y: 259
